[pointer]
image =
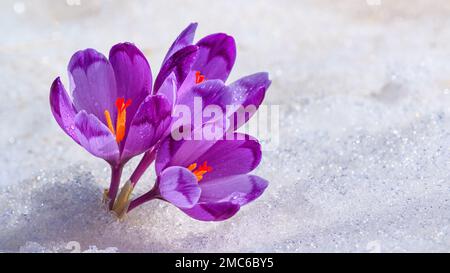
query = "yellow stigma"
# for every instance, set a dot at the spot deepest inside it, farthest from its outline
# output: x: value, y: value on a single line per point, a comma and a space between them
x: 109, y: 122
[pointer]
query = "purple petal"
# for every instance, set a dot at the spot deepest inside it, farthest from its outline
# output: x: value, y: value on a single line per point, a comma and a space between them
x: 240, y: 155
x: 188, y: 83
x: 238, y: 189
x: 92, y: 83
x: 179, y: 186
x: 148, y: 125
x: 248, y: 92
x: 95, y: 137
x: 179, y: 153
x: 216, y: 56
x: 209, y: 91
x: 213, y: 211
x: 179, y: 63
x: 245, y: 93
x: 169, y: 89
x: 185, y: 38
x: 133, y: 75
x: 165, y: 153
x: 62, y: 108
x: 226, y: 157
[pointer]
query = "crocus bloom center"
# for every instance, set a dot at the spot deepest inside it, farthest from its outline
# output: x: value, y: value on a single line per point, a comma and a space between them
x: 200, y: 171
x: 122, y: 106
x: 199, y: 78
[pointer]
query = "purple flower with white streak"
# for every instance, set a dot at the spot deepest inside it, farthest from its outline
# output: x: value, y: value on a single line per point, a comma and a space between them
x: 200, y: 71
x: 111, y: 112
x: 115, y: 113
x: 207, y: 180
x: 205, y: 76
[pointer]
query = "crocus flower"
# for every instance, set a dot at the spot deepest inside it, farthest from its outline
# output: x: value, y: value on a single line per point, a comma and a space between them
x: 205, y: 73
x: 111, y: 112
x: 200, y: 70
x: 207, y: 180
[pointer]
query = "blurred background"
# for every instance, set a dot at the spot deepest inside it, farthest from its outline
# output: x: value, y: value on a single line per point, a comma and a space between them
x: 363, y: 88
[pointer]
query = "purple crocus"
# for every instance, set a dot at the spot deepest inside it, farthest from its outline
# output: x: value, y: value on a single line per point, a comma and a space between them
x: 207, y: 180
x: 206, y: 72
x: 200, y: 70
x: 111, y: 112
x: 115, y: 114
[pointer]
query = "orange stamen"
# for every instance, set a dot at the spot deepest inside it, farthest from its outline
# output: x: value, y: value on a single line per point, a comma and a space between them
x: 122, y: 106
x: 121, y: 118
x: 199, y: 78
x: 203, y: 169
x: 192, y: 166
x: 109, y: 122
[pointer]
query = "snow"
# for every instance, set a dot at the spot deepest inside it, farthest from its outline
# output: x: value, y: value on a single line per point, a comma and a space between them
x: 363, y: 163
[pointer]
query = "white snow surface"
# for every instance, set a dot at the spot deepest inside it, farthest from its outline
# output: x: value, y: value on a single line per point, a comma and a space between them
x: 363, y: 163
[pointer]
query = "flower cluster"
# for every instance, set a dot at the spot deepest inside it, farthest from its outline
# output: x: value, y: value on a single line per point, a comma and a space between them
x: 116, y: 111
